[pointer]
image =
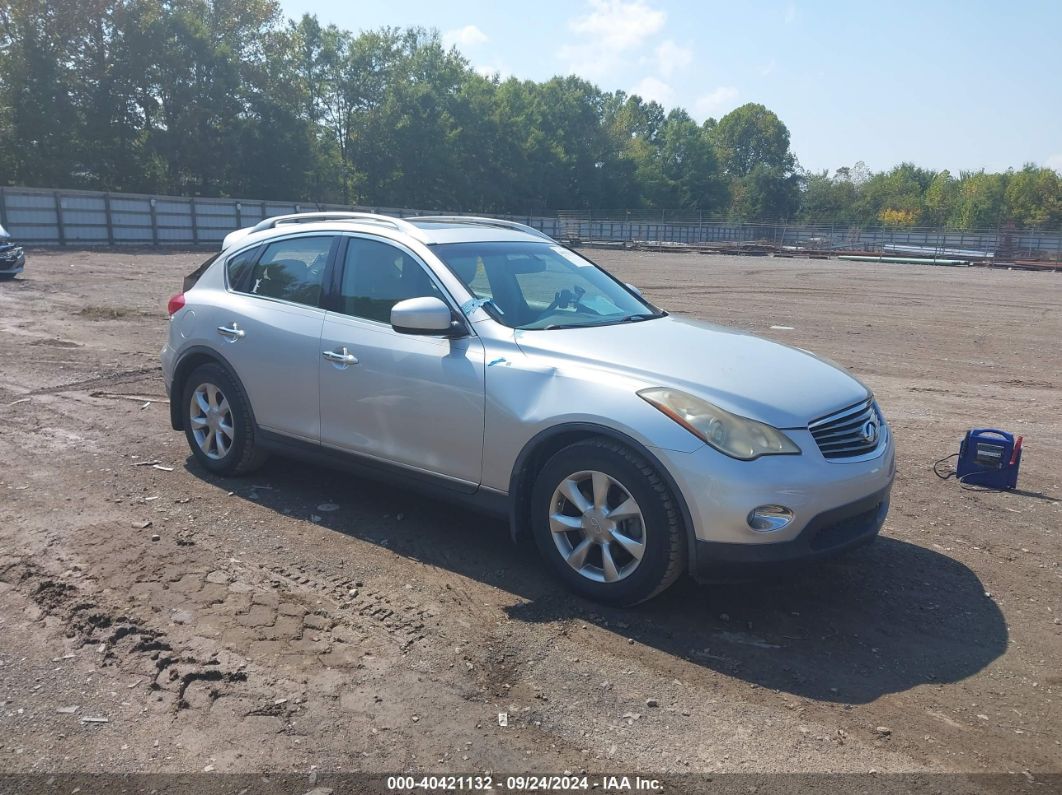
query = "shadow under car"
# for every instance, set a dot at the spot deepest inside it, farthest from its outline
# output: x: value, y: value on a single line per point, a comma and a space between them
x: 884, y: 618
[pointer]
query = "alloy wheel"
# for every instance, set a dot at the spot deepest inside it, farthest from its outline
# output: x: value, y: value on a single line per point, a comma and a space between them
x: 211, y: 421
x: 597, y: 526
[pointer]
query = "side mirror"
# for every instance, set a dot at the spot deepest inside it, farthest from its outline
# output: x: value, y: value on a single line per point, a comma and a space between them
x: 427, y: 315
x: 633, y: 289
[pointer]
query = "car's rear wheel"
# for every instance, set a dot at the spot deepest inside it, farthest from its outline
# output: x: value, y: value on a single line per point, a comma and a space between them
x: 607, y: 524
x: 218, y: 422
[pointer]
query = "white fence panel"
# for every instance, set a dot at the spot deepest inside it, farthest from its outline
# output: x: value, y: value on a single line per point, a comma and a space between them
x: 45, y: 217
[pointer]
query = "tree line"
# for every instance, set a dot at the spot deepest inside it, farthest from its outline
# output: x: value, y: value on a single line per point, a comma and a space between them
x: 229, y: 98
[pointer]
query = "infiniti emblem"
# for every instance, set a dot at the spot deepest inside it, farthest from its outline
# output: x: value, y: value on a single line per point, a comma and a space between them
x: 870, y: 431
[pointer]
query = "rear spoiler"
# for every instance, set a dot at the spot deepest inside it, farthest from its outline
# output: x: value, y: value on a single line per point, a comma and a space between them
x: 232, y: 238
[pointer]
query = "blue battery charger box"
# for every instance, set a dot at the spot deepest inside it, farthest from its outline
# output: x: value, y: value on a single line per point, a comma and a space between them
x: 989, y: 457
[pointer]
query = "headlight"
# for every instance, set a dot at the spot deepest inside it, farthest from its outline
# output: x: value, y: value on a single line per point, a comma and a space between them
x: 728, y: 433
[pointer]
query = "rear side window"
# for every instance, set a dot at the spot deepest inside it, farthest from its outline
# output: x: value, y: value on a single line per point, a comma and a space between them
x: 292, y: 270
x: 238, y: 268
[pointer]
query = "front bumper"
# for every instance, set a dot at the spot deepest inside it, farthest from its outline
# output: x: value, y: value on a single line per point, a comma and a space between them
x: 835, y: 504
x: 830, y: 533
x: 11, y: 267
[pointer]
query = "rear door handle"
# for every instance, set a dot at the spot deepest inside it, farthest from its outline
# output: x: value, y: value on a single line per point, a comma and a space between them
x: 233, y: 333
x: 342, y: 356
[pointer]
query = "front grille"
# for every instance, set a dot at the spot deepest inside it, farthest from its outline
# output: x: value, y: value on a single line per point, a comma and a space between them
x: 843, y: 433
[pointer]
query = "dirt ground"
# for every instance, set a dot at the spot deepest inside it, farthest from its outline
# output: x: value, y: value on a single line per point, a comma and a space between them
x: 242, y: 626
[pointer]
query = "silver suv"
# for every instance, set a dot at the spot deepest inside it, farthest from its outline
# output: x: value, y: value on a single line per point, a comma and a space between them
x: 482, y: 361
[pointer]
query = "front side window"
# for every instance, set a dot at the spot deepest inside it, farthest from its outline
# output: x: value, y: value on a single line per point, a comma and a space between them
x: 292, y: 270
x: 376, y: 276
x: 541, y: 285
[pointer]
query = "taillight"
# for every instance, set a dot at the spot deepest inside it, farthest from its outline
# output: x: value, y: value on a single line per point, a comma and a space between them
x: 175, y: 305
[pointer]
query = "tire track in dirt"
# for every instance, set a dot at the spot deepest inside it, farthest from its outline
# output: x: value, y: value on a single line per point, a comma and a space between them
x: 110, y: 379
x: 122, y: 638
x: 369, y: 612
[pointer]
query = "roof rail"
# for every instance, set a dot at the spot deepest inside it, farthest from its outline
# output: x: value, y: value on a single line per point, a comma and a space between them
x: 479, y: 221
x: 373, y: 218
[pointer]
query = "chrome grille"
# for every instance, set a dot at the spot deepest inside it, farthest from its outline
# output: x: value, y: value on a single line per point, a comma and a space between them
x: 842, y: 434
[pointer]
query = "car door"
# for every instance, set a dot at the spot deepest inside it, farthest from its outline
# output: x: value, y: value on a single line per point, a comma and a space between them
x: 411, y: 400
x: 269, y: 330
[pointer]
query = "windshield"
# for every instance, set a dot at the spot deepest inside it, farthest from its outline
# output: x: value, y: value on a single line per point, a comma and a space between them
x: 542, y: 285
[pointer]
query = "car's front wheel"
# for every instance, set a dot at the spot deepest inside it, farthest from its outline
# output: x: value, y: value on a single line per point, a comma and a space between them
x: 607, y: 524
x: 218, y: 422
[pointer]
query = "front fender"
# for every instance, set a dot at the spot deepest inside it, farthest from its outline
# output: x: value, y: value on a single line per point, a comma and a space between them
x: 543, y: 444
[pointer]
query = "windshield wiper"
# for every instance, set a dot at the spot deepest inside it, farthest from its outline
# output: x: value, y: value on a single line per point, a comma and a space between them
x: 626, y: 319
x: 552, y: 326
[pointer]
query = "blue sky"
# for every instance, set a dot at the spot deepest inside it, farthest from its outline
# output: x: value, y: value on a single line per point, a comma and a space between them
x: 961, y: 85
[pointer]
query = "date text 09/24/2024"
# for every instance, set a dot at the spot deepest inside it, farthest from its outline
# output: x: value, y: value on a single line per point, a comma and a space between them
x: 522, y: 783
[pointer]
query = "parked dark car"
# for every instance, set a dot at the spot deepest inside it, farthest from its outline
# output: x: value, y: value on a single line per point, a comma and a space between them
x: 12, y: 257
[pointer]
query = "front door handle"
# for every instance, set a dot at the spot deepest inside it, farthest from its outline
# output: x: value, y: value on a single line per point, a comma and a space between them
x: 233, y: 333
x: 342, y: 356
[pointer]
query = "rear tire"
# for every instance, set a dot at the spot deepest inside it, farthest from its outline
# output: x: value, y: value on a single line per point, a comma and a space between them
x: 218, y: 423
x: 607, y: 524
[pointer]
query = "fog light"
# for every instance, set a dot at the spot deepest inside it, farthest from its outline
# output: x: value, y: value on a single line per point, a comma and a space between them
x: 769, y: 518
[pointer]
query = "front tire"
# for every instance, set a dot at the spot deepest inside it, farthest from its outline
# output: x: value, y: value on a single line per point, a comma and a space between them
x: 607, y: 524
x: 218, y: 423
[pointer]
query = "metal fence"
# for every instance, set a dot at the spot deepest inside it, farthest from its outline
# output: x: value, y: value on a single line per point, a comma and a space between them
x: 41, y: 217
x: 659, y: 227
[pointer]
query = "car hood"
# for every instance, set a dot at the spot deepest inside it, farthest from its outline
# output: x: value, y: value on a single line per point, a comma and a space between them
x: 783, y: 386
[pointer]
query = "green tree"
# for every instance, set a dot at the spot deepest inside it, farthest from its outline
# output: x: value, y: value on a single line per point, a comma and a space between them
x: 765, y: 194
x: 940, y: 199
x: 980, y: 202
x: 1033, y: 198
x: 683, y: 168
x: 226, y: 97
x: 753, y: 148
x: 895, y: 196
x: 829, y: 199
x: 753, y: 136
x: 36, y: 95
x: 404, y: 140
